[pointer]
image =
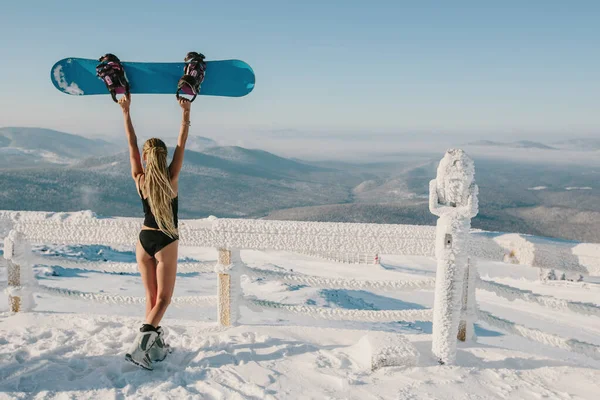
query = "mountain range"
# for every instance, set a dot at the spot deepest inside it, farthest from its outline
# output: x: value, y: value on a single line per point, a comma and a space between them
x: 576, y: 144
x: 47, y: 170
x: 36, y: 147
x: 221, y: 180
x: 521, y: 144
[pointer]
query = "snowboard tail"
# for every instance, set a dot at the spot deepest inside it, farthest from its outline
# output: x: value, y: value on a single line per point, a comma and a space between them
x: 77, y: 76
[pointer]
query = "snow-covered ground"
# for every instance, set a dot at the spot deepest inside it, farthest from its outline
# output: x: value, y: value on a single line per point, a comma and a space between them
x: 71, y: 349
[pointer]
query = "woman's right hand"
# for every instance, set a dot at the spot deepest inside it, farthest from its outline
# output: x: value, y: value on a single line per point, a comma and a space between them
x: 184, y: 103
x: 125, y: 102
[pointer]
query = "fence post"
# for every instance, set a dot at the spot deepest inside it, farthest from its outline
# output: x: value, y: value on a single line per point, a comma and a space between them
x: 16, y: 248
x: 452, y: 197
x: 14, y: 273
x: 466, y: 329
x: 228, y: 282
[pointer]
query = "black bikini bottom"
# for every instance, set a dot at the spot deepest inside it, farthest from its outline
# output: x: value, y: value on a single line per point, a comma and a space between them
x: 154, y: 241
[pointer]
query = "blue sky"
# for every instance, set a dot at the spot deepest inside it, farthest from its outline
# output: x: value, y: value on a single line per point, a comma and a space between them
x: 513, y: 69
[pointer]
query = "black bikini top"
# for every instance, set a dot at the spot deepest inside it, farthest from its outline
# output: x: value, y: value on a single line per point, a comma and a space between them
x: 149, y: 219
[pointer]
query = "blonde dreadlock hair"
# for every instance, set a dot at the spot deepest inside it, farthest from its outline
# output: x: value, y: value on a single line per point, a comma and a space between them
x: 157, y: 185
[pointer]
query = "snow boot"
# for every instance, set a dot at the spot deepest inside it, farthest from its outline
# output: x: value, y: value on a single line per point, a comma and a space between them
x: 160, y: 350
x: 142, y: 344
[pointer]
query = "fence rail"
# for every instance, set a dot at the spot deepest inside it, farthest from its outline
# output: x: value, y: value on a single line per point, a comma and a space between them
x: 312, y: 237
x: 114, y: 267
x: 588, y: 349
x: 340, y: 283
x: 119, y: 299
x: 344, y: 314
x: 511, y: 293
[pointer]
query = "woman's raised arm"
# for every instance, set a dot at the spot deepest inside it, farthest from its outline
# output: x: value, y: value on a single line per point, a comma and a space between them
x: 134, y: 151
x: 177, y: 162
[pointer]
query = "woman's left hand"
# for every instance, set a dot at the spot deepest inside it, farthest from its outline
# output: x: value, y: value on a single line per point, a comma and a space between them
x: 184, y: 103
x: 125, y: 102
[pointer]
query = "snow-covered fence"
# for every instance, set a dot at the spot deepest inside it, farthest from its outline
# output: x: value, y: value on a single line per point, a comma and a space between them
x: 532, y: 251
x: 229, y: 268
x: 343, y: 314
x: 588, y: 349
x: 236, y: 267
x: 511, y: 293
x: 303, y: 237
x: 22, y: 284
x: 339, y: 283
x: 112, y: 267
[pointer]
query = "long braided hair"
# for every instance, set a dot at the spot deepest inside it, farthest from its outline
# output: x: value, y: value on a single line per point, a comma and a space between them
x: 158, y: 185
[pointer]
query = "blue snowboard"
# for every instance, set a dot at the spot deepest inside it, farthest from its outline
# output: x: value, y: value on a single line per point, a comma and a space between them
x: 77, y: 76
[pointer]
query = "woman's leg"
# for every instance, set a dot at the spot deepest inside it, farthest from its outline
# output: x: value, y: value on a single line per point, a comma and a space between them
x: 166, y: 272
x: 147, y: 266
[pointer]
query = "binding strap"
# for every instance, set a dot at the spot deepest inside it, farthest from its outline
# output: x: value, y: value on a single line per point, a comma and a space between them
x: 112, y: 73
x: 193, y: 75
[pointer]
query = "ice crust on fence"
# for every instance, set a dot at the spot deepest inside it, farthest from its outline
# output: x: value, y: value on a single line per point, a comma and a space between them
x: 511, y: 293
x: 322, y: 236
x: 118, y: 299
x: 536, y: 252
x: 85, y: 228
x: 342, y: 314
x: 340, y: 283
x: 115, y: 267
x: 588, y: 349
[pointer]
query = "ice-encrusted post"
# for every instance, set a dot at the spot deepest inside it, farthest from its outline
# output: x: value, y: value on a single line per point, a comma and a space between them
x: 227, y: 268
x: 453, y: 198
x: 468, y: 311
x: 14, y: 273
x: 16, y: 249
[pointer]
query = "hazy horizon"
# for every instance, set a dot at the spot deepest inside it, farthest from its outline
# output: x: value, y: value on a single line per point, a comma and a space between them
x: 378, y: 147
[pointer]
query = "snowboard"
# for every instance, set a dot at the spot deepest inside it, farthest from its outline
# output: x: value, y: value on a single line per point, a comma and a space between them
x: 77, y: 76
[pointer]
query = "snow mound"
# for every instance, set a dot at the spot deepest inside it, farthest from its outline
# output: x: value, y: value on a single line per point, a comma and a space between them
x: 382, y: 349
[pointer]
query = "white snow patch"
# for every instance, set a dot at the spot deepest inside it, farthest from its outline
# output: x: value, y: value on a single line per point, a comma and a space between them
x: 45, y: 155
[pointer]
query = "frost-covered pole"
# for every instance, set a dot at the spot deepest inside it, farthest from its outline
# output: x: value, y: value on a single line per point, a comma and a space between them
x: 20, y: 280
x: 14, y: 273
x: 228, y: 270
x: 466, y: 329
x: 452, y: 197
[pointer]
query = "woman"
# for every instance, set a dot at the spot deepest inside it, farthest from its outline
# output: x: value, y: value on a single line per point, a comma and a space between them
x: 157, y: 248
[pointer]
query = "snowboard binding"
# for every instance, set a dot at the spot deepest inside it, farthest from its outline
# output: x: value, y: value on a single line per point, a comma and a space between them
x: 112, y: 73
x: 194, y: 70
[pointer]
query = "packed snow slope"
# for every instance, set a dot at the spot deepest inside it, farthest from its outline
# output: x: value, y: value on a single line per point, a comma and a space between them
x: 70, y: 349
